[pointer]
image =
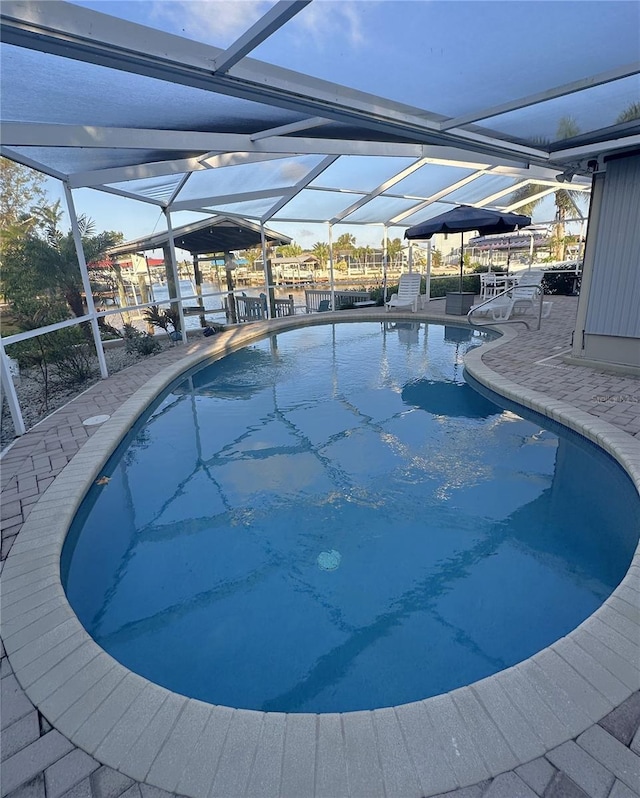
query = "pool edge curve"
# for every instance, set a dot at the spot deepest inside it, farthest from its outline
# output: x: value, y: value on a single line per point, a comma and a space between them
x: 515, y: 715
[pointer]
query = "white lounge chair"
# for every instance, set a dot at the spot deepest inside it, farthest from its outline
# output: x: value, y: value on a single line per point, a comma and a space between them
x: 408, y: 292
x: 499, y: 308
x: 525, y: 293
x: 524, y: 296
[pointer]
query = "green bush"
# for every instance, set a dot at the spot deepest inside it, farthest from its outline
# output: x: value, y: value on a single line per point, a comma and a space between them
x: 74, y: 362
x: 560, y: 284
x: 440, y: 287
x: 137, y: 342
x: 64, y: 354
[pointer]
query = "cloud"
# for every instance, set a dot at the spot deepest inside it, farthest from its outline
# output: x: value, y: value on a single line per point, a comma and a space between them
x: 325, y: 23
x: 217, y: 22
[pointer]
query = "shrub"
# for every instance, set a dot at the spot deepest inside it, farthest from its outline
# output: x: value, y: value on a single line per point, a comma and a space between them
x: 74, y: 362
x: 137, y: 342
x: 561, y: 284
x: 156, y: 317
x: 64, y: 354
x: 164, y: 319
x: 440, y: 287
x: 108, y: 332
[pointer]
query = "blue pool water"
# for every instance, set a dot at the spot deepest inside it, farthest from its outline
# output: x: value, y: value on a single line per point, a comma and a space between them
x: 332, y: 520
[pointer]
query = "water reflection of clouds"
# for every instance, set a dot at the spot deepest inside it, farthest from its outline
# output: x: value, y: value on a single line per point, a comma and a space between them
x: 250, y: 492
x: 281, y: 475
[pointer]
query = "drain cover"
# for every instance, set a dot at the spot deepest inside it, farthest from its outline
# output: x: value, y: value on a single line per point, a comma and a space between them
x: 91, y: 422
x: 329, y: 560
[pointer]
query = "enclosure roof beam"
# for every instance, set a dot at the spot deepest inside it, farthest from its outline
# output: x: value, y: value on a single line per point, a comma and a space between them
x: 179, y: 166
x: 504, y: 192
x: 234, y: 145
x: 18, y: 157
x: 437, y: 196
x: 293, y: 127
x: 392, y: 181
x: 274, y: 19
x: 245, y: 196
x: 532, y: 198
x: 121, y: 174
x: 130, y: 195
x: 300, y: 185
x: 586, y: 150
x: 559, y: 91
x: 82, y: 34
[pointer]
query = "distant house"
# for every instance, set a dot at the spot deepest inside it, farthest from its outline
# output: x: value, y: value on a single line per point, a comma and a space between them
x: 308, y: 260
x: 290, y: 270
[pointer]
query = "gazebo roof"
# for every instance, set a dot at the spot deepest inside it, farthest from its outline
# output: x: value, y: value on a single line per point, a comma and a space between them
x: 210, y: 236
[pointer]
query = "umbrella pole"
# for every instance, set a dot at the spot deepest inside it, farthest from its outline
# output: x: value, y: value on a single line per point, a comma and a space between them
x: 461, y: 258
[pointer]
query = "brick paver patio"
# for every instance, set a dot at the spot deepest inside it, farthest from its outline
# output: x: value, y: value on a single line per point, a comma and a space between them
x: 37, y: 760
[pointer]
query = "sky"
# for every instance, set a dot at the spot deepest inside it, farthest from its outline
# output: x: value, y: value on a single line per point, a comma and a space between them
x: 447, y: 57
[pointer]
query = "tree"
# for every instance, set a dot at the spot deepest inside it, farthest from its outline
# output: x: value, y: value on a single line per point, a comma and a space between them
x: 252, y: 255
x: 290, y: 250
x: 321, y: 252
x: 363, y: 255
x: 630, y: 113
x: 346, y: 242
x: 565, y: 199
x: 20, y: 189
x: 43, y: 262
x: 436, y: 258
x: 394, y: 250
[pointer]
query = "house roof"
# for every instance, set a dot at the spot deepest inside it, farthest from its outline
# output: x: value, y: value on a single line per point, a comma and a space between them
x: 213, y: 130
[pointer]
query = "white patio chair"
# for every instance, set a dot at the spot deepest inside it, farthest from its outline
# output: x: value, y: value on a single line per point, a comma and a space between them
x: 499, y: 308
x: 491, y: 284
x: 408, y: 292
x: 525, y: 293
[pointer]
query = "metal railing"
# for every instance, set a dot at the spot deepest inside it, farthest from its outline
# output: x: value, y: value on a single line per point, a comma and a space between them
x: 537, y: 292
x: 313, y: 298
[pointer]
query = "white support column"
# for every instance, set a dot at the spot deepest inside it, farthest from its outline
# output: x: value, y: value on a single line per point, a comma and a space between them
x: 427, y: 289
x: 265, y: 268
x: 384, y: 263
x: 7, y: 386
x: 333, y: 290
x: 176, y: 276
x: 84, y: 274
x: 531, y: 235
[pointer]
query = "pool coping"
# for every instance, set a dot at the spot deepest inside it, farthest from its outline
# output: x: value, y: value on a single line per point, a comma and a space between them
x: 190, y: 747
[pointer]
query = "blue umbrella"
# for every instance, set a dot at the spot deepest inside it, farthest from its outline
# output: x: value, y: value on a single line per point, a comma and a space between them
x: 463, y: 218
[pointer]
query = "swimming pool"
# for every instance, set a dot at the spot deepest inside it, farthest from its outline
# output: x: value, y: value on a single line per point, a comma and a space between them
x: 300, y: 527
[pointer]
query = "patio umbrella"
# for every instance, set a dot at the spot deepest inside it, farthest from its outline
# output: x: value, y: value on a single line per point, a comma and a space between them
x: 464, y: 218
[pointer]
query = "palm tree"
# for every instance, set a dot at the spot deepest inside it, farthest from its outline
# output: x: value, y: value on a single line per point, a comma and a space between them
x: 347, y: 241
x: 321, y: 252
x: 290, y: 250
x: 48, y: 264
x: 252, y: 255
x: 565, y: 199
x: 394, y: 250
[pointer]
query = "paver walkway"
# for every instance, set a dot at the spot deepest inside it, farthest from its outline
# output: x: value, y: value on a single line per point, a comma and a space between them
x: 37, y: 761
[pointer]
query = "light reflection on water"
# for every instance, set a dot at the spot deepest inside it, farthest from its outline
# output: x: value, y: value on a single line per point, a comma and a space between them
x: 463, y: 541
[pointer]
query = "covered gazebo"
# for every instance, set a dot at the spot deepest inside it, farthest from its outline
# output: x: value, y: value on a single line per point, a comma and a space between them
x: 219, y: 235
